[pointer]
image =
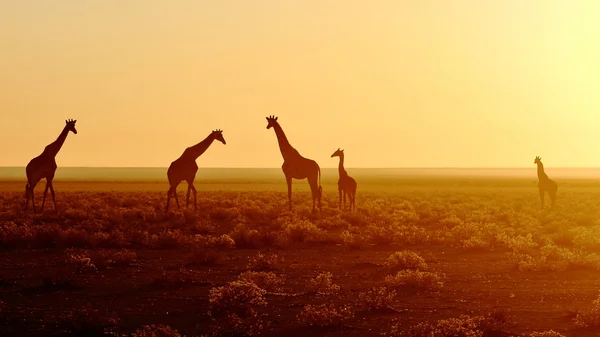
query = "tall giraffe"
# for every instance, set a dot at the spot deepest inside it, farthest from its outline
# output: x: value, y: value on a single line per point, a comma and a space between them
x: 545, y: 184
x: 295, y: 166
x: 44, y: 166
x: 185, y: 168
x: 346, y: 184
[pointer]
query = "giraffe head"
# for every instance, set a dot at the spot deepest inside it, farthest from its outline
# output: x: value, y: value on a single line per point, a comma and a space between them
x: 537, y: 160
x: 272, y: 120
x: 338, y: 153
x: 218, y: 135
x: 71, y: 125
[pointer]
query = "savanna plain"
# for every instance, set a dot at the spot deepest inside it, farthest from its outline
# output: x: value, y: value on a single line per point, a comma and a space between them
x: 420, y: 256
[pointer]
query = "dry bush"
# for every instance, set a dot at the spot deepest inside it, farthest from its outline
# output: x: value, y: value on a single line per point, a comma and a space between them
x: 586, y: 237
x: 552, y: 258
x: 406, y: 259
x: 323, y: 284
x: 233, y: 309
x: 268, y: 281
x: 353, y: 241
x: 381, y: 234
x: 591, y: 316
x: 158, y: 330
x: 549, y: 333
x: 415, y: 279
x: 169, y: 239
x: 263, y: 262
x: 519, y: 243
x: 412, y: 234
x: 300, y: 231
x: 325, y: 315
x: 79, y: 261
x: 222, y: 241
x: 378, y: 298
x: 246, y: 237
x: 463, y: 326
x: 103, y: 258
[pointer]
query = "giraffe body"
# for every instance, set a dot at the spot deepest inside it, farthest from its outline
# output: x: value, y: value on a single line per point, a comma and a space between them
x: 295, y: 166
x: 545, y: 184
x: 346, y: 184
x: 44, y: 167
x: 185, y: 168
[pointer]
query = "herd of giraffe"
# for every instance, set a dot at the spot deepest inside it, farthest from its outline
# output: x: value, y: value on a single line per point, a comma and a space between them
x: 184, y: 168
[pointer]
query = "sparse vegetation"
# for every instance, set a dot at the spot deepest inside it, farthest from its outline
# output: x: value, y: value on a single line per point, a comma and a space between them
x: 158, y: 330
x: 416, y: 279
x: 260, y: 269
x: 406, y: 260
x: 590, y: 317
x: 325, y: 315
x: 323, y: 283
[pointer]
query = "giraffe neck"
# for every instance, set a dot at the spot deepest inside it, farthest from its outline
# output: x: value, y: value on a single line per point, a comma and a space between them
x: 53, y: 148
x: 286, y: 149
x: 341, y: 169
x: 540, y: 172
x: 198, y: 149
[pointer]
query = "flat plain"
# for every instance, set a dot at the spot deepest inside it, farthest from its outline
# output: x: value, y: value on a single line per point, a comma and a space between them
x: 463, y: 256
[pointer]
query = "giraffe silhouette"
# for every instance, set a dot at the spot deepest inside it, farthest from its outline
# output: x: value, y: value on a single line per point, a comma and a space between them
x: 295, y: 166
x: 44, y: 166
x: 545, y: 184
x: 185, y: 168
x: 346, y: 184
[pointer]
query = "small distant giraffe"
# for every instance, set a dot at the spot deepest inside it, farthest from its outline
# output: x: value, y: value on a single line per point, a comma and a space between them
x: 295, y: 166
x: 545, y: 184
x: 44, y: 166
x: 346, y: 184
x: 185, y: 168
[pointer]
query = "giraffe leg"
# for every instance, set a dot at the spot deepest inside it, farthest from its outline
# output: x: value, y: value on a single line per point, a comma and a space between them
x: 53, y: 197
x: 314, y: 188
x: 194, y: 191
x: 187, y: 196
x: 340, y: 193
x: 26, y: 196
x: 168, y: 200
x: 44, y: 197
x: 542, y: 198
x: 33, y: 201
x: 176, y: 199
x: 345, y: 203
x: 288, y: 180
x: 169, y: 194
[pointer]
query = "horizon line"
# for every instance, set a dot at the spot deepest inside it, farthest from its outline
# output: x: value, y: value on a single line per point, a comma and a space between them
x: 335, y: 167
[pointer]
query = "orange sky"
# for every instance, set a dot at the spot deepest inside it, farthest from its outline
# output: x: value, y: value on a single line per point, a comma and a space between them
x: 464, y: 83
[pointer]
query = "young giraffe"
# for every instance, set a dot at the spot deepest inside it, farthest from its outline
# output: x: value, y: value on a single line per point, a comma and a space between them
x: 185, y: 168
x: 346, y: 184
x: 44, y: 166
x: 295, y: 166
x: 545, y: 184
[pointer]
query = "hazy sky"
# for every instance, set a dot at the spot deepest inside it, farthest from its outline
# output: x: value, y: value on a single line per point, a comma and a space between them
x: 420, y: 83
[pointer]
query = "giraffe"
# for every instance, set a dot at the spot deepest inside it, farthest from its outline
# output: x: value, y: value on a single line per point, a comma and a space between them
x: 44, y: 166
x: 185, y: 168
x: 295, y: 166
x: 346, y: 184
x: 545, y: 184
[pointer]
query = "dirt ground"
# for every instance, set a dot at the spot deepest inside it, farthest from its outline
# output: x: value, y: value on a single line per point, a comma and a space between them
x: 37, y: 281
